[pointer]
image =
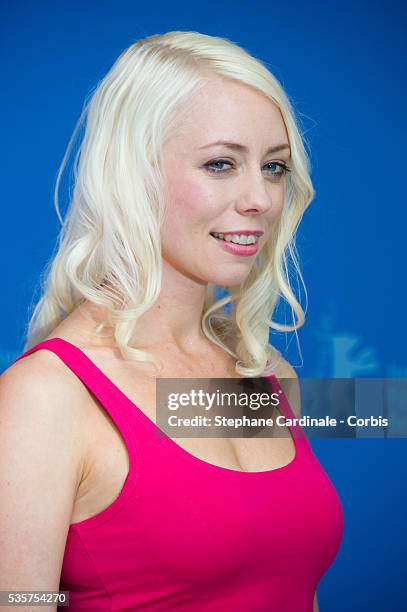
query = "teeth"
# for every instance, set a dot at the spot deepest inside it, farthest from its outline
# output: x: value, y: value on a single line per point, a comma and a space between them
x: 237, y: 239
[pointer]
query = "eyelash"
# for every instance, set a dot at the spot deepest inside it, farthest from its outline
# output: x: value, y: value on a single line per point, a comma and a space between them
x: 284, y: 167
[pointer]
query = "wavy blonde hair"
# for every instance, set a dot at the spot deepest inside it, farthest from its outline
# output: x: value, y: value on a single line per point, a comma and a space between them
x: 108, y: 250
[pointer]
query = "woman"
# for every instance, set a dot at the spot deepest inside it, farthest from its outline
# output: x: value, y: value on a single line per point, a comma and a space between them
x: 190, y: 147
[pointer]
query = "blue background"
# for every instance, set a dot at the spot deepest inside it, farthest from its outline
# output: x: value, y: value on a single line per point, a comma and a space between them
x: 343, y: 66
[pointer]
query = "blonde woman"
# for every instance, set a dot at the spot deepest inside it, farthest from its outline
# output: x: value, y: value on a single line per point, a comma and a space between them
x: 192, y: 174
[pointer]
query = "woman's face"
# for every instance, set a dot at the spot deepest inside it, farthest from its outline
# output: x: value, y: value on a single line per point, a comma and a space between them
x: 222, y: 188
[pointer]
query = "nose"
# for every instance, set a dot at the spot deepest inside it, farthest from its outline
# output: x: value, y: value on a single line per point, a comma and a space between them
x: 255, y: 197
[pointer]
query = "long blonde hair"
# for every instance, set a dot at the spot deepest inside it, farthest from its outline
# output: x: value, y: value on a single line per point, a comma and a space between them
x: 108, y: 249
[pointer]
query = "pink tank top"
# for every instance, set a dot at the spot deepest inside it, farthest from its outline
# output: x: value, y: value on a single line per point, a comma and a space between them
x: 190, y: 536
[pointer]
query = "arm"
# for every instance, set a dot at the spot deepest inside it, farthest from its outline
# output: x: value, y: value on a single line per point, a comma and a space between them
x: 41, y: 431
x: 316, y: 608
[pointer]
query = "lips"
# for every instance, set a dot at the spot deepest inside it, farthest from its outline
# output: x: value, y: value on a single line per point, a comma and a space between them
x: 246, y: 250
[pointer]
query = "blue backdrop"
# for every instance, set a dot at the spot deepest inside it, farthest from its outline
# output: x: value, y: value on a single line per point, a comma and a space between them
x: 342, y: 65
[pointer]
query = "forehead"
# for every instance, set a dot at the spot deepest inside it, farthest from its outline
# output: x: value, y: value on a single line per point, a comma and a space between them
x: 227, y: 110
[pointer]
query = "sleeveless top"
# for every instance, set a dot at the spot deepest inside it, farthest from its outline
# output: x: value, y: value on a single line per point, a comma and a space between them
x: 186, y: 535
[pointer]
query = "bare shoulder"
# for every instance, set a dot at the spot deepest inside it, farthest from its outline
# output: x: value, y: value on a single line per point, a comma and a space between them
x: 43, y: 376
x: 41, y: 393
x: 284, y: 369
x: 291, y: 387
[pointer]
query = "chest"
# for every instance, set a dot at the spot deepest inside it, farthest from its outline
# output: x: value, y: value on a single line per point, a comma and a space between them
x: 107, y: 462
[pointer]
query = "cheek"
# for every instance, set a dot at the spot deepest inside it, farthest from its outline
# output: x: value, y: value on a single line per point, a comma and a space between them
x: 190, y: 205
x: 277, y: 199
x: 189, y: 216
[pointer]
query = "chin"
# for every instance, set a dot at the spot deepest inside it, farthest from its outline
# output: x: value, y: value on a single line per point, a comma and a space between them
x: 228, y: 280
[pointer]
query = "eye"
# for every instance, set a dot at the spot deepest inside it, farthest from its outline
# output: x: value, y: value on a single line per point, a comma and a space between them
x: 278, y: 168
x: 214, y: 166
x: 217, y: 166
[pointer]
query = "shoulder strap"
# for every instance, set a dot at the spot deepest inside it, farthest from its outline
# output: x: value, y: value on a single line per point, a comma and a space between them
x: 284, y: 406
x: 121, y: 409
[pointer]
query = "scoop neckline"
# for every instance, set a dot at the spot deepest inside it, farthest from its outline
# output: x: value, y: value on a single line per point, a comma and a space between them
x: 238, y: 473
x: 146, y: 421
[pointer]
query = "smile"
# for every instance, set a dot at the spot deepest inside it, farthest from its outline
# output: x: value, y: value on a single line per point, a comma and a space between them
x: 236, y: 238
x: 232, y: 243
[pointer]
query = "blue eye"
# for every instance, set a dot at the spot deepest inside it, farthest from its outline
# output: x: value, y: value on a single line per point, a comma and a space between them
x: 279, y: 169
x: 282, y: 168
x: 210, y: 165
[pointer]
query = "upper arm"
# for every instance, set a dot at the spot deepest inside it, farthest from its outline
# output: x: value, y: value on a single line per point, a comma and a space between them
x: 41, y: 456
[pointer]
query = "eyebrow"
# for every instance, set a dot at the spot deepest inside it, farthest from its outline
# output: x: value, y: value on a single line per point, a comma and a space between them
x: 240, y: 147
